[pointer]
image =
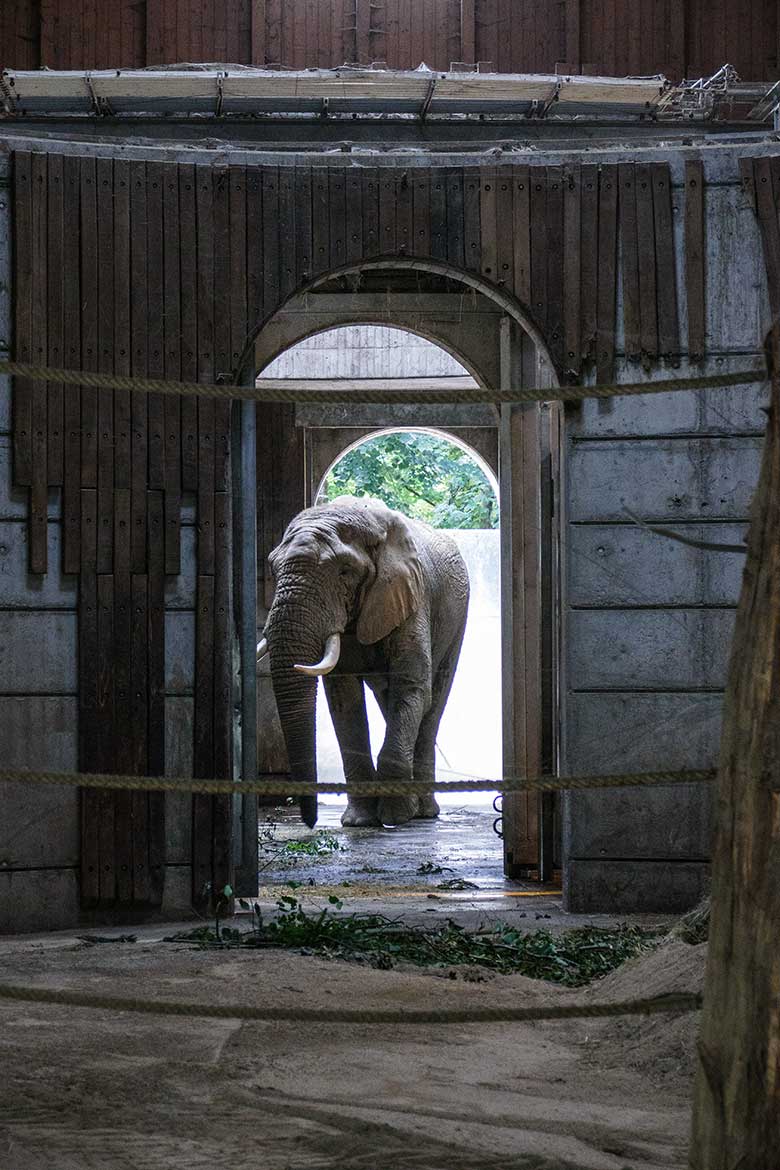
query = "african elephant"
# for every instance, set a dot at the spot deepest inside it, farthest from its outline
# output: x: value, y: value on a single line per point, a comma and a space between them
x: 365, y: 595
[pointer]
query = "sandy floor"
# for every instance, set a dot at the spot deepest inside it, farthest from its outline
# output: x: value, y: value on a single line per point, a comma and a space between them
x: 85, y: 1090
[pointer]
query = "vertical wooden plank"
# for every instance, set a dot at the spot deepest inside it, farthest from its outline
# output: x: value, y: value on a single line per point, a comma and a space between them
x: 521, y: 228
x: 630, y: 261
x: 273, y: 32
x: 154, y: 32
x: 489, y: 224
x: 220, y: 31
x: 139, y: 359
x: 554, y: 231
x: 39, y: 494
x: 363, y: 24
x: 123, y: 695
x: 608, y: 200
x: 238, y: 284
x: 54, y: 314
x: 23, y: 326
x: 325, y: 35
x: 123, y: 428
x: 387, y: 212
x: 416, y: 23
x: 646, y: 249
x: 155, y: 309
x: 337, y: 207
x: 140, y: 706
x: 254, y: 246
x: 88, y: 729
x: 223, y: 689
x: 271, y: 277
x: 767, y: 185
x: 206, y: 358
x: 403, y: 219
x: 222, y: 323
x: 188, y: 300
x: 472, y: 228
x: 573, y: 52
x: 537, y: 179
x: 89, y: 340
x: 105, y: 213
x: 695, y: 284
x: 467, y: 32
x: 505, y: 246
x: 666, y: 282
x: 354, y: 215
x: 370, y: 197
x: 303, y: 226
x: 105, y: 728
x: 172, y: 340
x: 677, y: 39
x: 421, y: 212
x: 438, y: 213
x: 71, y: 496
x: 572, y: 258
x: 404, y: 58
x: 156, y: 716
x: 589, y: 265
x: 257, y: 10
x: 286, y: 230
x: 203, y: 749
x: 455, y: 248
x: 320, y: 228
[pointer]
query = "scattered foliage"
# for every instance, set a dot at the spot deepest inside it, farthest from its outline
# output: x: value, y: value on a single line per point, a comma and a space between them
x: 420, y: 475
x: 572, y: 958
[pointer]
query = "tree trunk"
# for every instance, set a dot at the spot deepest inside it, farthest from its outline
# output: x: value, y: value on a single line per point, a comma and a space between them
x: 736, y: 1122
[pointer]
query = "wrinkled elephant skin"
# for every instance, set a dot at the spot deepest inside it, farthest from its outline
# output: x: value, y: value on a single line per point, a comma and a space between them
x: 384, y: 598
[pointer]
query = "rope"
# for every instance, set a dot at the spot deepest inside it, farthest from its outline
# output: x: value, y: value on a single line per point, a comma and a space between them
x: 305, y: 788
x: 675, y: 1002
x: 90, y: 378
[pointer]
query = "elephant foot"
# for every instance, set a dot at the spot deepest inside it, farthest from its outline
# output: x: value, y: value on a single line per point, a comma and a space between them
x: 428, y: 806
x: 360, y: 812
x: 397, y: 810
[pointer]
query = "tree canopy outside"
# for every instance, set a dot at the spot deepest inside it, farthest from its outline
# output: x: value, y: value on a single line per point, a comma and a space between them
x: 421, y: 475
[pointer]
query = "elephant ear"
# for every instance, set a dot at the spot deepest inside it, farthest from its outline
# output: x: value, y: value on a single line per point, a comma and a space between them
x: 397, y: 589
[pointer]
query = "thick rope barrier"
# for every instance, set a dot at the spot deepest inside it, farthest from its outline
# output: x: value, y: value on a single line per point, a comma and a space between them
x: 303, y: 396
x: 673, y: 1002
x: 295, y: 788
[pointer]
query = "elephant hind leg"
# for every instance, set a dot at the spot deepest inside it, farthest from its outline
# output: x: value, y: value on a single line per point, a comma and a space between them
x: 347, y: 704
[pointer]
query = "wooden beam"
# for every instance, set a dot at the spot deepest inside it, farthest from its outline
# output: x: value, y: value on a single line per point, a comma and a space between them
x: 257, y: 18
x: 736, y: 1120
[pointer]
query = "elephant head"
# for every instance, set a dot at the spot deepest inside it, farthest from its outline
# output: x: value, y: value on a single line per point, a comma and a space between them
x: 347, y: 566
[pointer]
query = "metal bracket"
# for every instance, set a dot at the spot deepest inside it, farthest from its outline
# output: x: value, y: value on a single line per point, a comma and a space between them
x: 220, y: 95
x: 428, y: 99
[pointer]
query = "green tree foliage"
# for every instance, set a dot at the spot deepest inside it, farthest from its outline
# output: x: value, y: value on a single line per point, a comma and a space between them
x: 418, y: 474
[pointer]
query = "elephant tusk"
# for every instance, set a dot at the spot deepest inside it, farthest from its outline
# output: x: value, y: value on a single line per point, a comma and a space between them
x: 262, y: 648
x: 329, y: 660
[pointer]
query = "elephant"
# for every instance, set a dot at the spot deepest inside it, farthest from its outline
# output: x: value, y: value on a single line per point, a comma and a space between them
x: 365, y: 595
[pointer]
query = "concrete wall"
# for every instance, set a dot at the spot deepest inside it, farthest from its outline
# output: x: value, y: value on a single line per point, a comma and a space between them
x: 39, y: 827
x: 647, y: 622
x: 364, y: 351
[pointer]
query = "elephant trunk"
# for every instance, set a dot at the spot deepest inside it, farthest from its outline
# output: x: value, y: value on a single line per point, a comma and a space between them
x: 292, y: 640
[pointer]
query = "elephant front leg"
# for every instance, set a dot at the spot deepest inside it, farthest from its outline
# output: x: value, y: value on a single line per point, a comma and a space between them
x: 396, y: 760
x: 347, y: 704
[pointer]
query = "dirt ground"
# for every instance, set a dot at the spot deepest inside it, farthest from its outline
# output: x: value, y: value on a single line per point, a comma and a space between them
x: 91, y: 1090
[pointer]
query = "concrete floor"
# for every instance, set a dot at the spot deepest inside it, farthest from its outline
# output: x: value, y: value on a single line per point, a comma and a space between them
x: 451, y: 867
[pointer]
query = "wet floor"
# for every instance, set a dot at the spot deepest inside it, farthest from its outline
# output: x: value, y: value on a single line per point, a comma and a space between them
x: 452, y: 865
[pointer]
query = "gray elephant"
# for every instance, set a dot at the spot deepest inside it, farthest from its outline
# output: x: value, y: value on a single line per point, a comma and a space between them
x: 365, y: 595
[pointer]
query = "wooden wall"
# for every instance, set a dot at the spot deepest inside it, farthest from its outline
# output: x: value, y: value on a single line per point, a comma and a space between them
x: 614, y: 37
x: 165, y: 269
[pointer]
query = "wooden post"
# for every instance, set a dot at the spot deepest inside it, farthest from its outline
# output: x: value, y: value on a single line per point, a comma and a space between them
x: 736, y: 1120
x: 521, y: 611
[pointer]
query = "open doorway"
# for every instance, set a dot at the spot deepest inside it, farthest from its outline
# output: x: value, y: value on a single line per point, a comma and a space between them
x: 446, y: 476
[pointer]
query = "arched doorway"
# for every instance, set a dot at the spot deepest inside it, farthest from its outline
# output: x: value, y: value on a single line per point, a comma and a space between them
x: 408, y: 469
x: 493, y: 346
